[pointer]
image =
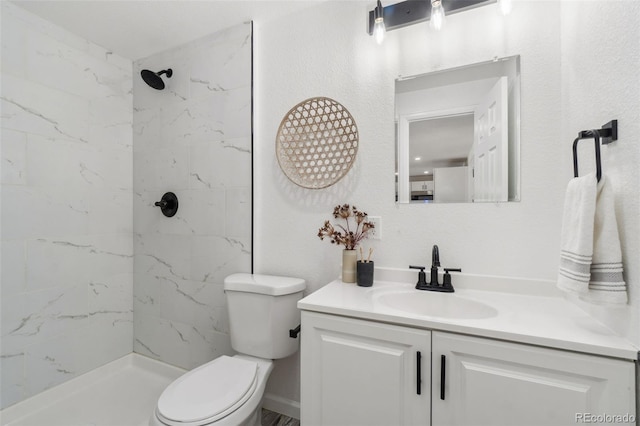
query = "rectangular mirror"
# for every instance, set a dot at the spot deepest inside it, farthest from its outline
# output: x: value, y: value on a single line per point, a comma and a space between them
x: 458, y: 134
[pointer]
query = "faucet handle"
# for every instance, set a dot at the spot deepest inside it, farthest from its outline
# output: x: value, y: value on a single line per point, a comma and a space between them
x: 446, y: 278
x: 422, y: 277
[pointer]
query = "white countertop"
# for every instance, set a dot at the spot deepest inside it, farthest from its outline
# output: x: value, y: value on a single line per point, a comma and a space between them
x: 521, y: 311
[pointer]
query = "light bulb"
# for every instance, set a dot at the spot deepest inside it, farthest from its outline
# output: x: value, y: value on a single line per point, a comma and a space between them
x: 379, y: 30
x: 437, y: 14
x: 505, y: 6
x: 378, y: 26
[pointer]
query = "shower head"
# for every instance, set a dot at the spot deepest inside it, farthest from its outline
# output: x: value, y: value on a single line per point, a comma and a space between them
x: 153, y: 79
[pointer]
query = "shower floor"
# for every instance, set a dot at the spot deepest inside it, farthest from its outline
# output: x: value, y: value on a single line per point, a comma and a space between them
x: 121, y: 393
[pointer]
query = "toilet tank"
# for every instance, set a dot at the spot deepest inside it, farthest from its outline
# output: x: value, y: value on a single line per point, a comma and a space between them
x: 262, y: 310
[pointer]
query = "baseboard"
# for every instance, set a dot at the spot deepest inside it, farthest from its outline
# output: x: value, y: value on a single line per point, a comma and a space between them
x: 281, y: 405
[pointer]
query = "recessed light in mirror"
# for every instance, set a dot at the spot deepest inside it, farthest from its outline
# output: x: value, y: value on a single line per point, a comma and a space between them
x: 418, y: 158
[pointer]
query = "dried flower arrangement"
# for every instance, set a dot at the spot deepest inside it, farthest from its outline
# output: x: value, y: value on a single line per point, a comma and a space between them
x: 344, y: 235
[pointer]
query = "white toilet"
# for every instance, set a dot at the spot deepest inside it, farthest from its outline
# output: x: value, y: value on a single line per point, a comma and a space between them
x: 229, y: 390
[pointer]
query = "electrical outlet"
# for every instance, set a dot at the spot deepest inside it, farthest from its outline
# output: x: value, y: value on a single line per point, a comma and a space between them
x: 376, y: 232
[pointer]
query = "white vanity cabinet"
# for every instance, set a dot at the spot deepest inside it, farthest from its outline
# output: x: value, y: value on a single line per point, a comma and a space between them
x: 490, y: 382
x: 364, y: 372
x: 357, y: 372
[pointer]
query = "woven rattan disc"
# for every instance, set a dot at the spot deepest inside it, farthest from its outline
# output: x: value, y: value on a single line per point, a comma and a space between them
x: 317, y: 143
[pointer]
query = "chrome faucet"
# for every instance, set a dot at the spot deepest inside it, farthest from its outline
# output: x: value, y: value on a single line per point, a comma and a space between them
x: 434, y: 285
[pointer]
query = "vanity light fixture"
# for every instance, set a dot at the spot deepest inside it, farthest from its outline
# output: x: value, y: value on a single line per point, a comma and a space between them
x: 437, y: 15
x: 378, y: 25
x: 411, y: 12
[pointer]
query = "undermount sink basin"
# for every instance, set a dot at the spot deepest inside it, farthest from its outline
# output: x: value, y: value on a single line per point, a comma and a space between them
x: 432, y: 304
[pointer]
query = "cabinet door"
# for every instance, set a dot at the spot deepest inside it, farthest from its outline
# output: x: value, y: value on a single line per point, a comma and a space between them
x: 488, y: 382
x: 358, y: 372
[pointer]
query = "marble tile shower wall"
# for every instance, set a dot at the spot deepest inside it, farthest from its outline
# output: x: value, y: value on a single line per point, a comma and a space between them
x: 192, y: 138
x: 66, y: 175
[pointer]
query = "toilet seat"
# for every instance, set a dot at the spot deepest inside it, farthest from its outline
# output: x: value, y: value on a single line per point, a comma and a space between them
x: 208, y: 393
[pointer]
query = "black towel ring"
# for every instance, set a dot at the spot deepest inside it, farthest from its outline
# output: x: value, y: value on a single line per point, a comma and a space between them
x: 608, y: 133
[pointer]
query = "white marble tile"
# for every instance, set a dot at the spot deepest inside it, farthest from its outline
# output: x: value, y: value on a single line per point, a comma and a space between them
x: 79, y: 260
x: 200, y: 120
x: 162, y: 255
x: 213, y: 258
x: 13, y: 157
x: 203, y: 211
x: 13, y: 270
x: 40, y: 316
x: 146, y: 294
x: 74, y: 165
x: 238, y: 213
x: 161, y: 169
x: 110, y: 211
x: 237, y: 113
x: 29, y: 213
x: 34, y: 23
x: 67, y: 252
x: 58, y: 162
x: 176, y: 343
x: 108, y: 168
x: 220, y: 164
x: 111, y: 121
x: 180, y: 308
x: 223, y: 63
x: 34, y: 108
x: 148, y: 335
x: 109, y: 339
x: 110, y: 299
x: 12, y: 386
x: 13, y: 37
x: 65, y: 68
x: 147, y: 128
x: 13, y: 316
x: 207, y: 345
x: 57, y: 360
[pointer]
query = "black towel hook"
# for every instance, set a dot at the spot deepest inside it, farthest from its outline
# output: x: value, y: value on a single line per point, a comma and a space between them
x: 608, y: 133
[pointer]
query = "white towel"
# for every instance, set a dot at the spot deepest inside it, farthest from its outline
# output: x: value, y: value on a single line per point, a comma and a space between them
x: 590, y: 256
x: 606, y: 284
x: 576, y: 245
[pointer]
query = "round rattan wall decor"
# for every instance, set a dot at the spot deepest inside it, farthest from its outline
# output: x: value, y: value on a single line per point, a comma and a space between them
x: 317, y: 143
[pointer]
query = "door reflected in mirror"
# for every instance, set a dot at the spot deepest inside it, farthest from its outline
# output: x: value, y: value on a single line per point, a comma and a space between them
x: 458, y: 134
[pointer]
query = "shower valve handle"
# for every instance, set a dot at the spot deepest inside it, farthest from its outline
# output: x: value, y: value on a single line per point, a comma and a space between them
x: 168, y: 204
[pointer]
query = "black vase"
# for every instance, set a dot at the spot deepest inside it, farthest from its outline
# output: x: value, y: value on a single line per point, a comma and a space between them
x: 364, y: 273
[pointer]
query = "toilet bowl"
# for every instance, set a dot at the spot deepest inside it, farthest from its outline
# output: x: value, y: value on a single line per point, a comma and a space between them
x: 226, y: 391
x: 229, y: 390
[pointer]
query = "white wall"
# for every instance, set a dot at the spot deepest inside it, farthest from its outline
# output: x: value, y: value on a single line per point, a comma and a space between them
x: 600, y: 83
x: 67, y: 254
x: 192, y: 138
x: 325, y: 51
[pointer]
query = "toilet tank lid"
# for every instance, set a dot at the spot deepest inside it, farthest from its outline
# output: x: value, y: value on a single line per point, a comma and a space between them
x: 264, y: 284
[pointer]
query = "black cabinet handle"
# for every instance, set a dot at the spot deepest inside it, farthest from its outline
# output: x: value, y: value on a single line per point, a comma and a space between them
x: 443, y: 366
x: 419, y: 374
